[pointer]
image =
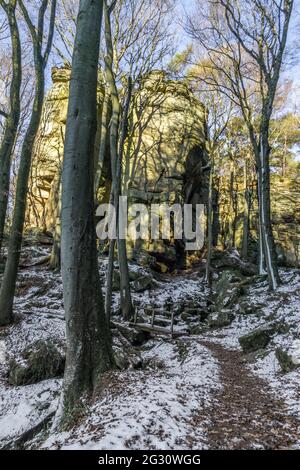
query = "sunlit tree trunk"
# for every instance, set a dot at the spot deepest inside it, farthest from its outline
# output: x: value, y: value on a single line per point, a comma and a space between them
x: 268, y: 255
x: 246, y: 215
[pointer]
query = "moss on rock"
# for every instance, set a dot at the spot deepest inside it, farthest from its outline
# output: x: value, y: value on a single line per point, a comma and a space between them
x: 41, y: 361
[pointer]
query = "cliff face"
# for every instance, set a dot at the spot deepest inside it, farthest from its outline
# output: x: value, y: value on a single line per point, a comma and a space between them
x: 286, y: 216
x: 46, y: 166
x: 164, y: 153
x: 44, y: 186
x: 164, y: 161
x: 168, y: 146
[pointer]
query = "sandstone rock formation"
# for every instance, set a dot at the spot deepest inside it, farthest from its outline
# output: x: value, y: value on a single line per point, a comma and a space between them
x: 164, y: 154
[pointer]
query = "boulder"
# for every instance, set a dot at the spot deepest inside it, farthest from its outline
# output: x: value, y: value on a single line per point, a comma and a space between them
x: 162, y: 267
x: 227, y: 290
x: 133, y: 275
x: 126, y: 358
x: 231, y: 259
x: 135, y: 337
x: 192, y: 314
x: 248, y: 308
x: 145, y: 260
x: 220, y: 319
x: 41, y: 361
x: 286, y: 360
x: 256, y: 339
x: 142, y: 283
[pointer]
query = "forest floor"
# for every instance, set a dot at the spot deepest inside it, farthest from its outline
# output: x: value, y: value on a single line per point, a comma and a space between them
x: 199, y: 391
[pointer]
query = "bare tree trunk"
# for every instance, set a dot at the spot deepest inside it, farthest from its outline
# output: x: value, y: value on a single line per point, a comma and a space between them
x: 246, y: 216
x: 12, y: 121
x: 110, y: 269
x: 55, y: 260
x: 103, y: 141
x: 15, y: 240
x: 89, y: 351
x: 208, y: 276
x: 125, y: 293
x: 109, y: 278
x: 116, y: 161
x: 268, y: 248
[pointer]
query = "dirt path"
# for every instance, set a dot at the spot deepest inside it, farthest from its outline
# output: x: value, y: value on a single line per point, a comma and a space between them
x: 246, y: 414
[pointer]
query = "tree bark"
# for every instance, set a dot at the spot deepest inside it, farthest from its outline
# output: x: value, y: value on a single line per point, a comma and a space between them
x: 103, y: 142
x: 15, y: 240
x: 208, y: 276
x: 12, y: 121
x: 89, y: 351
x: 268, y: 255
x: 116, y: 162
x: 55, y: 260
x: 246, y: 216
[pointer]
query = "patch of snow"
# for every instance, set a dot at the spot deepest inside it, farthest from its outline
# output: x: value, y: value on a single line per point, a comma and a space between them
x: 2, y: 352
x: 154, y: 411
x: 294, y: 351
x: 22, y: 408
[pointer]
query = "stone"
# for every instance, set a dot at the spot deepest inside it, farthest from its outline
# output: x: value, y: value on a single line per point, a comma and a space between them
x: 256, y: 339
x: 220, y: 319
x: 170, y: 160
x: 163, y: 268
x: 135, y: 337
x: 254, y: 356
x: 125, y: 358
x: 192, y: 314
x: 145, y: 260
x: 231, y: 259
x: 41, y: 361
x: 248, y: 308
x: 120, y: 358
x: 226, y: 291
x: 285, y: 360
x: 133, y: 275
x: 142, y: 283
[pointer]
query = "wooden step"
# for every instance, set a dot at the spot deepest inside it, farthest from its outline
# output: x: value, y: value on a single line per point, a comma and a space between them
x: 162, y: 320
x: 158, y: 330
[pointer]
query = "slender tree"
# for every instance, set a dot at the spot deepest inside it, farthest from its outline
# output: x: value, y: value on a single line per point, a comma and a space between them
x: 13, y: 116
x: 246, y: 42
x: 15, y: 240
x: 89, y: 351
x: 118, y: 128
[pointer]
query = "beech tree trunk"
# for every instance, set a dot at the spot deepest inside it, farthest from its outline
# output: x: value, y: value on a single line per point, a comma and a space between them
x: 116, y: 149
x: 103, y: 142
x: 89, y: 351
x: 268, y: 255
x: 208, y: 276
x: 55, y: 260
x: 8, y: 285
x: 246, y: 216
x: 12, y: 120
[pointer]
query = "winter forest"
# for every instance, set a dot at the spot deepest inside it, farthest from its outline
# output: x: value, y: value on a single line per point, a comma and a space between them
x: 149, y: 239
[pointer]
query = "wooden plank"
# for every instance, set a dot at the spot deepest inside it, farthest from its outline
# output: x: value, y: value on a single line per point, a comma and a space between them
x: 158, y: 330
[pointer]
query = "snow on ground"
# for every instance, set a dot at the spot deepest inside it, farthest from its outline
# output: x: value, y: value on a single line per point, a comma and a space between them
x: 22, y: 408
x: 154, y: 409
x: 281, y: 306
x: 151, y: 407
